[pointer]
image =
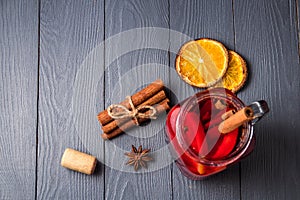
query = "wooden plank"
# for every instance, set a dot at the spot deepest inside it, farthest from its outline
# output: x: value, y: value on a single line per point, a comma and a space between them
x: 266, y: 35
x: 126, y: 73
x: 202, y: 19
x: 298, y: 22
x: 70, y: 30
x: 18, y: 100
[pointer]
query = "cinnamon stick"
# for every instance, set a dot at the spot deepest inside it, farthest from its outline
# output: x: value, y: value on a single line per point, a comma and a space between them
x: 227, y: 114
x: 217, y: 119
x: 161, y: 107
x: 151, y: 101
x: 161, y: 95
x: 236, y: 120
x: 137, y: 99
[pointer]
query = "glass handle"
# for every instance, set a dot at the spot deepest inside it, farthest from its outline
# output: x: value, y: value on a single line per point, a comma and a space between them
x: 260, y: 108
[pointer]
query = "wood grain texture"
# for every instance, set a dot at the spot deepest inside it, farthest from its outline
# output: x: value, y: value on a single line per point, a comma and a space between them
x: 18, y: 98
x: 202, y: 19
x: 69, y: 30
x: 126, y: 74
x: 298, y: 23
x: 266, y: 35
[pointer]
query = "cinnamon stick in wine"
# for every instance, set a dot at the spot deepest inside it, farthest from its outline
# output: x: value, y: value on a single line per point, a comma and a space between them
x: 161, y: 107
x: 222, y: 115
x: 151, y: 101
x: 228, y: 114
x: 137, y: 99
x: 236, y: 120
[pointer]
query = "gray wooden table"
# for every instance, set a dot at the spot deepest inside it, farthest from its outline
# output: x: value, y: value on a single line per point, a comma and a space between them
x: 48, y: 53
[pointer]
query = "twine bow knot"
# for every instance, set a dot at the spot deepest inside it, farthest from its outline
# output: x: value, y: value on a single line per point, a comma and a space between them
x: 118, y: 111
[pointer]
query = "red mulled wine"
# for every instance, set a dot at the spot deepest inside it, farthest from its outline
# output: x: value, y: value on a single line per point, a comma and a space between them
x: 195, y: 141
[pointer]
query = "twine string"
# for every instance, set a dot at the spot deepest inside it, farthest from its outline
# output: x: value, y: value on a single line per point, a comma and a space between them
x: 118, y: 111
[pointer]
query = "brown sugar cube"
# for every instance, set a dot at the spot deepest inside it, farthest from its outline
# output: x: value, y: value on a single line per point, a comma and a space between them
x: 78, y: 161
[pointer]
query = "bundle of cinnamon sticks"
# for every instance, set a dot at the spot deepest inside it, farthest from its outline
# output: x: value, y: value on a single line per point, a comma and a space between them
x: 151, y: 96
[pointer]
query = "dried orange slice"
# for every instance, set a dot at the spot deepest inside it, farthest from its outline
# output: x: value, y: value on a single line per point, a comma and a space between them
x: 236, y: 73
x: 202, y: 62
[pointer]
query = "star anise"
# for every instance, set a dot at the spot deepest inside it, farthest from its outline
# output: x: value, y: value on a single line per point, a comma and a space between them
x: 138, y: 157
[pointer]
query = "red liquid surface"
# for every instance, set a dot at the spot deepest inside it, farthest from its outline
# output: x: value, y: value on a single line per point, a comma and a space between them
x: 201, y: 136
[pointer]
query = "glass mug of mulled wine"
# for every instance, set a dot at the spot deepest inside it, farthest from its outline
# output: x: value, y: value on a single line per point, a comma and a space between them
x: 211, y: 130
